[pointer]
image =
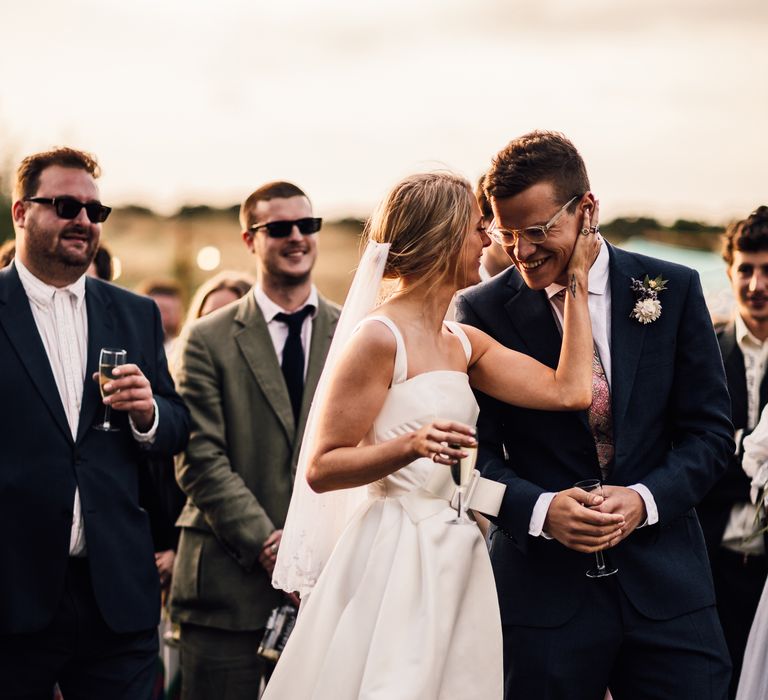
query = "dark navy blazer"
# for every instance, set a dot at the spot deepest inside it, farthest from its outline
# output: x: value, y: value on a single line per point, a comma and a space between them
x: 672, y: 432
x: 715, y: 509
x: 40, y: 464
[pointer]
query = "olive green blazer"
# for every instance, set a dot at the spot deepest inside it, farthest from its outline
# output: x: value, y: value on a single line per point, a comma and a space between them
x: 239, y: 466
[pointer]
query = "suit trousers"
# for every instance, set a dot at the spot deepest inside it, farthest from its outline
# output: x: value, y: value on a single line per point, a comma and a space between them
x: 608, y: 643
x: 739, y: 582
x: 79, y: 651
x: 220, y: 664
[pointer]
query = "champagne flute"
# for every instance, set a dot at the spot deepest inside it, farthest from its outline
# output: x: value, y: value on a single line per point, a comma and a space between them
x: 109, y: 358
x: 461, y: 472
x: 601, y: 569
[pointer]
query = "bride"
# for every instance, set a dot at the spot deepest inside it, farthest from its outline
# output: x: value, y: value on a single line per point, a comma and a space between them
x: 402, y: 604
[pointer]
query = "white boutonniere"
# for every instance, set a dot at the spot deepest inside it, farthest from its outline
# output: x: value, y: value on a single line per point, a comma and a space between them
x: 647, y: 308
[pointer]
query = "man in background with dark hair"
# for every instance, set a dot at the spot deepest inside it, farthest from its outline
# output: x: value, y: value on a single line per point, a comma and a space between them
x: 657, y: 435
x: 7, y: 252
x: 738, y: 558
x: 248, y: 372
x: 494, y: 259
x: 168, y: 296
x: 102, y: 266
x: 79, y: 592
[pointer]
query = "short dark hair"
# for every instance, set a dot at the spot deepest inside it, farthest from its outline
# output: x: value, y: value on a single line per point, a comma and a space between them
x: 7, y: 252
x: 102, y: 261
x: 272, y: 190
x: 160, y: 287
x: 482, y: 200
x: 748, y: 235
x: 29, y: 170
x: 539, y: 156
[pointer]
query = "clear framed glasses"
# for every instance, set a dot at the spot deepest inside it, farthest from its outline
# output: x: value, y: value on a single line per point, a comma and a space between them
x: 532, y: 234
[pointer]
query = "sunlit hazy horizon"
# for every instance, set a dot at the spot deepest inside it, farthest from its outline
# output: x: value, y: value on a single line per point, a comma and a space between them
x: 195, y: 102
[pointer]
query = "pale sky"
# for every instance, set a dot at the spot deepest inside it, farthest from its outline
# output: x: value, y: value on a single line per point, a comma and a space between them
x: 195, y: 101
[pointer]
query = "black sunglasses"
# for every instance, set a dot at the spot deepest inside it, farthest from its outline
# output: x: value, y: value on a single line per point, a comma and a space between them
x: 69, y: 207
x: 282, y: 229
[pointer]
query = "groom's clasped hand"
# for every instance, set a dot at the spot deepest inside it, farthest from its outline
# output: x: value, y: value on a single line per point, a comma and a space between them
x: 587, y: 522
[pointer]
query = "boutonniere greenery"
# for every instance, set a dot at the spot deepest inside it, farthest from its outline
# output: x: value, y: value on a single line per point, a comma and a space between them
x: 647, y: 308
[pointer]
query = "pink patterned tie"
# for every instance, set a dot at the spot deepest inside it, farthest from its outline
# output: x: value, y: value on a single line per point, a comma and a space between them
x: 599, y: 413
x: 600, y: 417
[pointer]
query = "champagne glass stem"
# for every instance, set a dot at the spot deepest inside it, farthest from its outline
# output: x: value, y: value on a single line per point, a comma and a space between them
x: 600, y: 561
x: 107, y: 413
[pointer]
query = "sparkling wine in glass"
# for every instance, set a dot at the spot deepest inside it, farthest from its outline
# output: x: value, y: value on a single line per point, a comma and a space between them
x: 461, y: 472
x: 109, y: 358
x: 601, y: 569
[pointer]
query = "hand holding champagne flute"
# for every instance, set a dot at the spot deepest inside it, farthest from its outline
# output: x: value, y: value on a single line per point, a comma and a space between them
x: 601, y: 569
x: 109, y: 358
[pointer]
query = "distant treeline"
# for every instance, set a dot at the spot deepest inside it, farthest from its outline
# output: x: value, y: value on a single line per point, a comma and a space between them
x: 683, y: 232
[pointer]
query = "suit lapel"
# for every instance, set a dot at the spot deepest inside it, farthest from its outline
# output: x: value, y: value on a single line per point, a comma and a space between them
x: 19, y: 324
x: 530, y: 314
x: 627, y: 334
x: 322, y: 332
x: 531, y: 317
x: 100, y: 335
x: 736, y: 375
x: 252, y: 337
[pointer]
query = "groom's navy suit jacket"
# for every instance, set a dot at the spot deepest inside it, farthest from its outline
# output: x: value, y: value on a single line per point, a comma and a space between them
x: 41, y: 465
x: 672, y: 433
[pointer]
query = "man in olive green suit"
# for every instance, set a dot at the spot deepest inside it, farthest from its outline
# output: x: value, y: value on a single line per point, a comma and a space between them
x: 248, y: 373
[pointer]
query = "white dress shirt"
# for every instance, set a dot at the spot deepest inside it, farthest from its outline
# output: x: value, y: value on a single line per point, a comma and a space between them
x: 741, y: 522
x: 278, y: 330
x: 61, y: 317
x: 599, y: 301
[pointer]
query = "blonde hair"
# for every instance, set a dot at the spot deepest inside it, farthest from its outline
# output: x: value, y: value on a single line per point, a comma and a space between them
x: 425, y: 219
x: 239, y: 283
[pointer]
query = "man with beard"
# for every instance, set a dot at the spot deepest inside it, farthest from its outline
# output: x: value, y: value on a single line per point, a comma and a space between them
x: 79, y: 592
x: 248, y: 372
x: 738, y: 559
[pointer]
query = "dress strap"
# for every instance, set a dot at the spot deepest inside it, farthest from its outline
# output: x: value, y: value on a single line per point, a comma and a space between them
x: 401, y: 359
x: 458, y: 331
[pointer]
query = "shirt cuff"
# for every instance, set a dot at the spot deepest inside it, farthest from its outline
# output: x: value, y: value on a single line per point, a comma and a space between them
x: 651, y: 511
x: 539, y: 515
x: 149, y: 437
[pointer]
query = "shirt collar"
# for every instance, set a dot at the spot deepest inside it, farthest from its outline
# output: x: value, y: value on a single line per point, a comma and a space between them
x: 270, y: 309
x: 41, y: 293
x: 598, y: 275
x: 743, y: 335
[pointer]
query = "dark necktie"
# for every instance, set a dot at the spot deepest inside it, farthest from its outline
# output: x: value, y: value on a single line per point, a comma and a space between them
x: 293, y: 356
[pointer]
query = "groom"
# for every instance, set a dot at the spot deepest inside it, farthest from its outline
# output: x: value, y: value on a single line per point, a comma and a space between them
x: 658, y: 434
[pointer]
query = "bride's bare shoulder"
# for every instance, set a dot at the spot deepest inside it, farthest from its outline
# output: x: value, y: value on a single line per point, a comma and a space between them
x: 369, y: 356
x: 374, y: 336
x: 479, y: 340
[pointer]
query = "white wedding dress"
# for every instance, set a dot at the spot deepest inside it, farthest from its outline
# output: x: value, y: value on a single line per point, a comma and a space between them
x: 753, y: 682
x: 406, y: 607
